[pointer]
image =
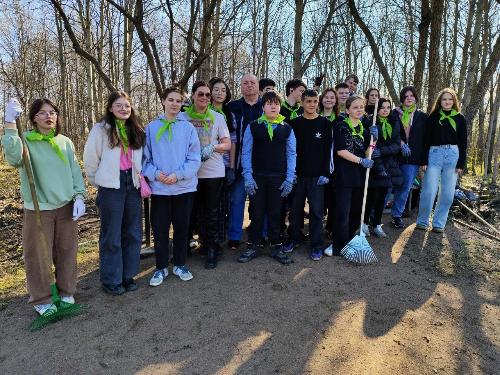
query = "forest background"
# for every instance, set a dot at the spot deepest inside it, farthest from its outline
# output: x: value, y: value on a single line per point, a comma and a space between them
x: 76, y: 51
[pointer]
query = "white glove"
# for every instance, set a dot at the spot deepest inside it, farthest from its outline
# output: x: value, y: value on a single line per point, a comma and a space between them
x: 13, y: 110
x: 78, y: 209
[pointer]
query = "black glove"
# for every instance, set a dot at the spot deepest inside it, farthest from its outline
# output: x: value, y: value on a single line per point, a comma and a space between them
x: 319, y: 80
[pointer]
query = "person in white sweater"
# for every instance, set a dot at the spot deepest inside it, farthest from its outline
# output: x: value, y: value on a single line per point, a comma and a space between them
x: 112, y: 159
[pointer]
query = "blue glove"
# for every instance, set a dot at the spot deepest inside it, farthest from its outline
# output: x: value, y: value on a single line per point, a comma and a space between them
x: 405, y: 150
x: 376, y: 153
x: 230, y: 176
x: 250, y: 185
x: 207, y: 152
x: 366, y: 163
x: 286, y: 188
x: 322, y: 180
x: 374, y: 132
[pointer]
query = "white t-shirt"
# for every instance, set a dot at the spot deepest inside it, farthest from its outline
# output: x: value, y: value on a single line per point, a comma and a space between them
x: 213, y: 167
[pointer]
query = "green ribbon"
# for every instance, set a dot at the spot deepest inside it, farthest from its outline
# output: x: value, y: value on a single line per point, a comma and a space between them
x: 200, y: 116
x: 353, y: 127
x: 449, y: 118
x: 407, y: 111
x: 34, y: 136
x: 293, y: 110
x: 218, y: 111
x: 331, y: 118
x: 386, y: 127
x: 269, y: 123
x: 167, y: 125
x: 122, y: 132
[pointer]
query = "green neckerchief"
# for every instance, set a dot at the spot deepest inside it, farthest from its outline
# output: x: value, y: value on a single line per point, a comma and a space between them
x: 449, y: 118
x: 218, y: 111
x: 200, y: 116
x: 167, y: 125
x: 122, y: 132
x: 278, y: 120
x: 293, y: 110
x: 386, y: 127
x: 34, y: 135
x: 330, y: 118
x: 354, y: 132
x: 407, y: 111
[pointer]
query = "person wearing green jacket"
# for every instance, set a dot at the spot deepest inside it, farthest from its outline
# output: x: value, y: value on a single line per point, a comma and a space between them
x: 60, y: 191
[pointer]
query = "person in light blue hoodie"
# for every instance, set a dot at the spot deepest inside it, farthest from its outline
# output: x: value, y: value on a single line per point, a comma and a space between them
x: 171, y: 162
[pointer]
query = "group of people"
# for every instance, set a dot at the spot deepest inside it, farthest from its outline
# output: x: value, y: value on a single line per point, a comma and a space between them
x: 202, y: 157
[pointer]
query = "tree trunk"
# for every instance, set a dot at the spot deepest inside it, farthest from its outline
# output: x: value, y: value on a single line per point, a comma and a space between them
x: 434, y: 56
x: 465, y: 50
x: 423, y: 37
x: 265, y: 40
x: 297, y: 38
x: 492, y: 126
x: 128, y: 34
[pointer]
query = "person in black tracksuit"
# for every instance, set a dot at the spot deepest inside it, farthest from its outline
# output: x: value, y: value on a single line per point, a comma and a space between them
x: 351, y: 143
x: 385, y: 172
x: 314, y: 140
x: 412, y: 124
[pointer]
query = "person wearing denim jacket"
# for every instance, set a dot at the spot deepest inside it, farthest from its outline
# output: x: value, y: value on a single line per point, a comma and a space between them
x: 171, y: 163
x: 445, y: 151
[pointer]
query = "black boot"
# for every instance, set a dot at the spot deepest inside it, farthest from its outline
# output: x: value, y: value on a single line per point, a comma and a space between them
x: 211, y: 261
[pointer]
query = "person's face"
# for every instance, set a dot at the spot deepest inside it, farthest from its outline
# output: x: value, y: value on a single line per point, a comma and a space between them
x: 249, y: 85
x: 343, y: 94
x: 271, y: 110
x: 447, y: 101
x: 201, y: 97
x: 310, y: 104
x: 296, y: 93
x: 219, y: 92
x: 385, y: 109
x: 329, y: 100
x: 357, y: 109
x: 267, y: 89
x: 409, y: 99
x: 352, y: 84
x: 373, y: 97
x: 121, y: 108
x: 173, y: 103
x: 46, y: 118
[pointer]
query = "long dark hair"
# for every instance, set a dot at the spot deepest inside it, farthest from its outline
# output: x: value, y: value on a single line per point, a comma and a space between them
x: 225, y: 107
x: 135, y: 130
x: 335, y: 107
x: 35, y: 108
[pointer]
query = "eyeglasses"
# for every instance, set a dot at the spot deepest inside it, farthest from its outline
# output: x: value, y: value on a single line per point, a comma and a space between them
x: 122, y: 106
x: 203, y: 94
x: 47, y: 114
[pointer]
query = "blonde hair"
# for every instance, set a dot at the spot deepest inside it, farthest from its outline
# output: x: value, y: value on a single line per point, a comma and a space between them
x: 448, y: 90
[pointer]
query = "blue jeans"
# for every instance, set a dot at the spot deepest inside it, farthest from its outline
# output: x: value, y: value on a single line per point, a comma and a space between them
x: 120, y: 237
x: 237, y: 209
x: 401, y: 193
x: 440, y: 173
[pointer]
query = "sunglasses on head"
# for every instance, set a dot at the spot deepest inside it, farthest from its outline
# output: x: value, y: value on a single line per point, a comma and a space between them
x: 202, y: 94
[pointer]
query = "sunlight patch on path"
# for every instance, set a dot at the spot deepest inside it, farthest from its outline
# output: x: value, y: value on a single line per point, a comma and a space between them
x: 400, y: 244
x: 162, y: 368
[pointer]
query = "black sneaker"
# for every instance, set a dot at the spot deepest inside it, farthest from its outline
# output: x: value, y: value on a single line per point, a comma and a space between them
x: 130, y: 285
x: 114, y: 290
x: 278, y: 254
x: 249, y: 254
x: 397, y: 222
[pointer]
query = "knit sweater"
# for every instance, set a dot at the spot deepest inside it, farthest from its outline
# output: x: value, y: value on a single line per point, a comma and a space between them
x: 57, y: 182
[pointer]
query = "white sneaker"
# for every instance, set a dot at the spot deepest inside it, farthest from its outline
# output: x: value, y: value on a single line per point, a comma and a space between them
x: 183, y: 273
x: 379, y: 232
x: 68, y: 299
x: 328, y: 251
x: 158, y: 277
x: 365, y: 229
x: 45, y: 308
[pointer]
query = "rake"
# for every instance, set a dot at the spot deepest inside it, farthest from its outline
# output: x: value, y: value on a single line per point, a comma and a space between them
x: 64, y: 309
x: 358, y: 250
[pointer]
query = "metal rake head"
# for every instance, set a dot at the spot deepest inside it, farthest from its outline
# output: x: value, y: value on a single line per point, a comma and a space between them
x: 358, y: 250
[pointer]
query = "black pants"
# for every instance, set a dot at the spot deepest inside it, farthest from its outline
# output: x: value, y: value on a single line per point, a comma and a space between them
x: 375, y: 201
x: 267, y: 199
x: 347, y: 215
x: 166, y: 210
x: 206, y: 210
x: 330, y: 205
x: 307, y: 187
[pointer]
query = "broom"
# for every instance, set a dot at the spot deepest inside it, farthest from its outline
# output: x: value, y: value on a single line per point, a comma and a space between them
x: 358, y: 250
x: 64, y: 309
